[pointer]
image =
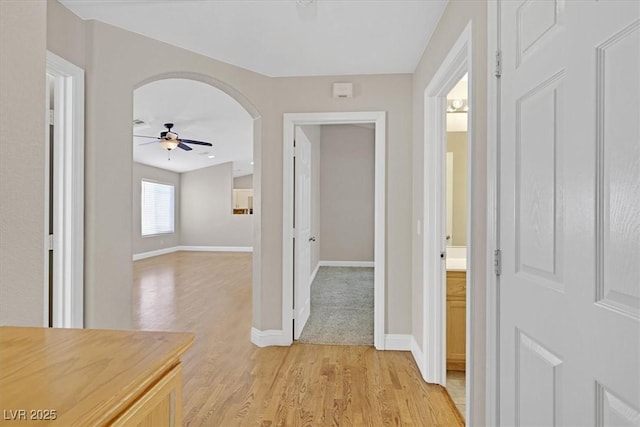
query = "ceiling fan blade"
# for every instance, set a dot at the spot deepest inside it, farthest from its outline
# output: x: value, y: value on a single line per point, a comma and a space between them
x: 191, y: 141
x: 184, y: 147
x: 142, y: 136
x: 147, y: 143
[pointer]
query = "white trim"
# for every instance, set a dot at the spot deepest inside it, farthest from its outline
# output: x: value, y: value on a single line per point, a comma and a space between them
x: 143, y: 255
x: 272, y: 337
x: 216, y: 248
x: 454, y: 66
x: 458, y: 61
x: 68, y: 258
x: 492, y: 364
x: 47, y: 207
x: 347, y: 264
x: 290, y: 120
x: 417, y: 354
x: 398, y: 342
x: 314, y: 273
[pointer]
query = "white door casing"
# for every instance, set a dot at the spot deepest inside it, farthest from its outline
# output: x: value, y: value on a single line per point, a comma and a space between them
x: 569, y: 213
x: 68, y: 188
x: 302, y: 242
x: 290, y: 121
x: 449, y: 198
x: 433, y: 367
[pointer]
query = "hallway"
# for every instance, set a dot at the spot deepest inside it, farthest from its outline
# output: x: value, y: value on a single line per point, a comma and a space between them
x: 228, y: 381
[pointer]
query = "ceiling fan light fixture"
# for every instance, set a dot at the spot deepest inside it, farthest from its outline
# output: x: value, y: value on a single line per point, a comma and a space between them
x: 169, y: 144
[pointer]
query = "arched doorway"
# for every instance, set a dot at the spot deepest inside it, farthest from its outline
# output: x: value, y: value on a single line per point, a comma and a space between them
x: 189, y: 124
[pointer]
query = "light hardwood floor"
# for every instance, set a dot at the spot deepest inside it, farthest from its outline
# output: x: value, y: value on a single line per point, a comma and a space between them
x: 230, y: 382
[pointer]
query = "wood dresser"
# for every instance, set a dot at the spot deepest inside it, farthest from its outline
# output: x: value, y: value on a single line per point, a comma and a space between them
x: 85, y: 377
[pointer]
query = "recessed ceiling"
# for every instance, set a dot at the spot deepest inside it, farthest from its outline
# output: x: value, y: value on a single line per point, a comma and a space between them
x: 284, y: 37
x: 198, y: 111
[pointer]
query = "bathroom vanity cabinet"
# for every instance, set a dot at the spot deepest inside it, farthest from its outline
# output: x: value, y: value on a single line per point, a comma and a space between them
x: 456, y: 319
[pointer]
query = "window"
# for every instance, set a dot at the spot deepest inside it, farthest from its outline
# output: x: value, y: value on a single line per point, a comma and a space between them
x: 157, y: 208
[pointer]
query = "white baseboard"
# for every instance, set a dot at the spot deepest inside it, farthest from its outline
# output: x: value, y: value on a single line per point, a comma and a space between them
x: 217, y: 248
x: 399, y: 342
x: 313, y: 275
x: 346, y: 263
x: 272, y: 337
x: 416, y: 352
x: 150, y: 254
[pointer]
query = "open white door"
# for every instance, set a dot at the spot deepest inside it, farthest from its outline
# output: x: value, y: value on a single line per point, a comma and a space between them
x: 66, y: 203
x: 303, y: 238
x: 569, y: 292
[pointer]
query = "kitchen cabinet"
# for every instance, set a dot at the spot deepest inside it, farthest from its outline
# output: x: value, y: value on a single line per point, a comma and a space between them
x: 243, y: 201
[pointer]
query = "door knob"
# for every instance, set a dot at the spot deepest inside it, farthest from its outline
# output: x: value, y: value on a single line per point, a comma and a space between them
x: 312, y: 239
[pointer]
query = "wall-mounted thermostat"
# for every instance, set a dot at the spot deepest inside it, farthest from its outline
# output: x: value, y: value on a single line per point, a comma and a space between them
x: 343, y: 90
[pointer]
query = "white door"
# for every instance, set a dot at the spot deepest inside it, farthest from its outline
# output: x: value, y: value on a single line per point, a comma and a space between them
x: 570, y: 213
x: 303, y: 238
x: 449, y: 201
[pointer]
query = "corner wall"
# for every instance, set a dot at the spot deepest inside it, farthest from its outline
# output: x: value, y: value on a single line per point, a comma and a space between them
x: 23, y: 47
x: 455, y: 18
x: 206, y: 208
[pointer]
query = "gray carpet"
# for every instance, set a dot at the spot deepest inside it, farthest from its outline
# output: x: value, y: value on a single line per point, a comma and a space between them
x: 341, y: 307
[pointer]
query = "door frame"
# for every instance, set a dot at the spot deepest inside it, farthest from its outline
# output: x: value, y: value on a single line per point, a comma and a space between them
x: 457, y: 62
x: 492, y: 401
x: 68, y: 187
x: 290, y: 121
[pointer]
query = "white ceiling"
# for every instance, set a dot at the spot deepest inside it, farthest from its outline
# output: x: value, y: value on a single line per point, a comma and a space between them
x: 283, y: 37
x: 200, y: 112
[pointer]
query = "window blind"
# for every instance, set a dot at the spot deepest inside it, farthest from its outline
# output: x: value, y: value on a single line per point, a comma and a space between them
x: 157, y: 208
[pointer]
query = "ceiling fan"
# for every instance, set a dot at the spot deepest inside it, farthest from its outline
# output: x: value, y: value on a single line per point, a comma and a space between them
x: 169, y: 140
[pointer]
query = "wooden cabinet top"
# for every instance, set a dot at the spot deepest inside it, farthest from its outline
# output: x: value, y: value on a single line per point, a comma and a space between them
x: 87, y: 376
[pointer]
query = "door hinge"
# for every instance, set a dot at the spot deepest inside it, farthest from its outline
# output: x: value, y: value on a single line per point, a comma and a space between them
x: 293, y: 313
x: 498, y: 64
x: 50, y: 242
x: 51, y: 117
x: 497, y: 261
x: 294, y: 151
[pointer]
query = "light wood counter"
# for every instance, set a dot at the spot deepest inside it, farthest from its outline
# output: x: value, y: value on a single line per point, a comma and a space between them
x: 90, y: 377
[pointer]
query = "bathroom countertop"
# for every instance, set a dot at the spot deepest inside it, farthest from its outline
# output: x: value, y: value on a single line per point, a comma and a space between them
x: 456, y: 264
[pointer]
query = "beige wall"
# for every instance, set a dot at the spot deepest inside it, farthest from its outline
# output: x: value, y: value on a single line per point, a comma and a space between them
x: 243, y: 182
x: 456, y: 16
x: 206, y: 209
x: 457, y: 144
x: 22, y: 160
x: 347, y: 193
x: 314, y: 134
x: 153, y: 243
x: 390, y: 93
x: 108, y: 162
x: 108, y: 167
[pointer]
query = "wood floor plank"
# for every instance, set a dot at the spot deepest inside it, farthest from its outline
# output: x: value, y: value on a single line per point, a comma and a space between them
x: 230, y: 382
